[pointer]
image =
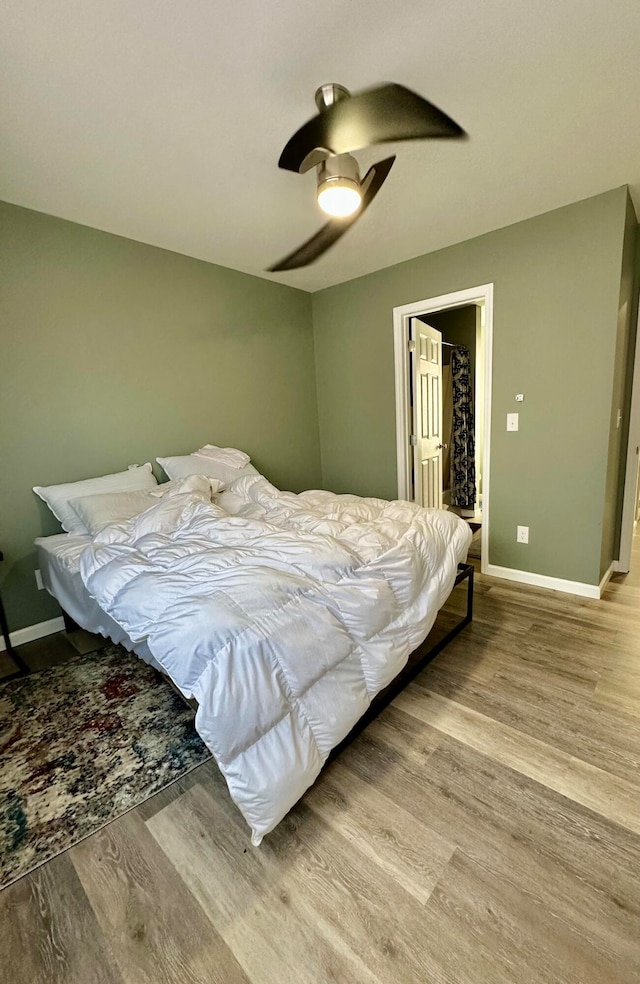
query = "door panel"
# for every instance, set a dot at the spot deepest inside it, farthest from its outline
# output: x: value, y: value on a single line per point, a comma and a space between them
x: 427, y: 413
x: 431, y: 481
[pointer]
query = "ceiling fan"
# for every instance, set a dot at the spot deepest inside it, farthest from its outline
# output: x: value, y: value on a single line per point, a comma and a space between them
x: 346, y: 123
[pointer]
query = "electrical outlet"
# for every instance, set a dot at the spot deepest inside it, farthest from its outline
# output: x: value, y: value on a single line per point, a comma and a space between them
x: 39, y: 581
x: 522, y: 534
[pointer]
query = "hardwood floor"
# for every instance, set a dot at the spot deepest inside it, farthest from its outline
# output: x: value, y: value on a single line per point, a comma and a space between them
x: 484, y: 830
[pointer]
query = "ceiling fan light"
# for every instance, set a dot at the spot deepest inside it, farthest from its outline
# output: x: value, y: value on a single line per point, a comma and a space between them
x: 339, y: 192
x: 339, y: 197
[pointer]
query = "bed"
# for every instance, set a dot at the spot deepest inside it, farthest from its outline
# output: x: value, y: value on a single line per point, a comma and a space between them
x: 59, y: 562
x: 286, y: 617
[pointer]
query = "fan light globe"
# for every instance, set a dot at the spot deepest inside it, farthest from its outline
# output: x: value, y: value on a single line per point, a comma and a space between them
x: 339, y: 198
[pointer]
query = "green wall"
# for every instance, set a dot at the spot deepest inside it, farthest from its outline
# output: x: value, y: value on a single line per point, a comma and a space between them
x: 115, y: 352
x: 556, y: 295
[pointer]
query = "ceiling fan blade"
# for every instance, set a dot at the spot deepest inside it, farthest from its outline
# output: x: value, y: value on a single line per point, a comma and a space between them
x: 331, y: 232
x: 379, y: 115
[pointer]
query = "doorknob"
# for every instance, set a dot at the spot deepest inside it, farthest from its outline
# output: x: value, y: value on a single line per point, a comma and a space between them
x: 443, y: 446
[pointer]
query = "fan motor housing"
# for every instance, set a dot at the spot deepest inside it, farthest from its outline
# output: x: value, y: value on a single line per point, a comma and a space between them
x: 342, y: 168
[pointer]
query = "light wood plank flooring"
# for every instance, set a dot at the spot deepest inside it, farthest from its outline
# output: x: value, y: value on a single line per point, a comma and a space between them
x: 484, y: 830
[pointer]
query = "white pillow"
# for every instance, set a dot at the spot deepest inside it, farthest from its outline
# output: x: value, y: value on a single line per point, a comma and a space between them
x: 226, y: 456
x: 97, y: 511
x: 192, y: 464
x: 58, y: 497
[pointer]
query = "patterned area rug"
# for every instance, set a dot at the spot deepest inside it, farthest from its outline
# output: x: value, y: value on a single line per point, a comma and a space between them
x: 80, y: 744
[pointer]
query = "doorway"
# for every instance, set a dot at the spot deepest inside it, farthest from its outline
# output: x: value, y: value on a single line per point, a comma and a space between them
x: 443, y: 398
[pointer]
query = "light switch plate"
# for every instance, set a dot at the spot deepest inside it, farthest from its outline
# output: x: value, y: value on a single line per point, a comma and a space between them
x: 512, y: 421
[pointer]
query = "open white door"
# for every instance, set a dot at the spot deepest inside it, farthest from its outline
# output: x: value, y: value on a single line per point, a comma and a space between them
x: 426, y: 435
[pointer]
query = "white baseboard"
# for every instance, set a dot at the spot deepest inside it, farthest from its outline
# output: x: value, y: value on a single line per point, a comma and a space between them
x: 553, y: 583
x: 32, y: 632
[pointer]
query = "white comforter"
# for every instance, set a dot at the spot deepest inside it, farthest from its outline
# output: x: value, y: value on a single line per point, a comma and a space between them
x: 282, y: 614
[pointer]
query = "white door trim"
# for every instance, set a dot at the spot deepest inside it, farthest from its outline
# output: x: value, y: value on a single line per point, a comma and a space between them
x: 631, y: 472
x: 401, y: 317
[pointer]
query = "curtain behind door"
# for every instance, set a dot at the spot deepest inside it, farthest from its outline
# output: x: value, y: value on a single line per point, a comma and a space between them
x: 447, y: 426
x: 463, y: 465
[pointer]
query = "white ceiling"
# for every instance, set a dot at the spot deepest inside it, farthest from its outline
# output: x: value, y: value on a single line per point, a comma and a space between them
x: 163, y: 121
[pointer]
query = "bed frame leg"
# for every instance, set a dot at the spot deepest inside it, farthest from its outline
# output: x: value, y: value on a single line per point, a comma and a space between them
x: 469, y: 615
x: 69, y: 624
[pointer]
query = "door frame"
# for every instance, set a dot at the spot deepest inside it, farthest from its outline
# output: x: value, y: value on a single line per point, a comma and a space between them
x: 628, y: 522
x: 401, y: 317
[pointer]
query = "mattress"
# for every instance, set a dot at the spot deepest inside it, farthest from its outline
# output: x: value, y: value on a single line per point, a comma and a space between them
x: 59, y: 562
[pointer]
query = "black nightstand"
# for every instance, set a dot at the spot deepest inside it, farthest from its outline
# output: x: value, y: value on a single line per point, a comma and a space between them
x: 20, y: 663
